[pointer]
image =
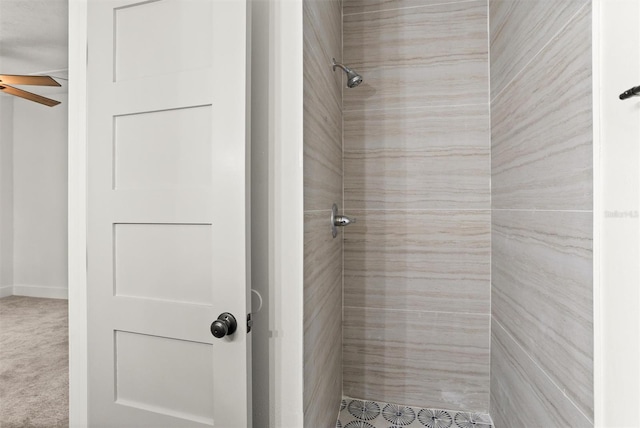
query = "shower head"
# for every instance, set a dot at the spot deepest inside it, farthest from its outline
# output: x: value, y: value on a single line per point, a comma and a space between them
x: 353, y: 78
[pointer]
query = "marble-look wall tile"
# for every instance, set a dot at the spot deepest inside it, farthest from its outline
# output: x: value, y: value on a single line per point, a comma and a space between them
x: 417, y: 158
x: 417, y: 177
x: 542, y: 187
x: 418, y: 260
x: 363, y: 6
x: 434, y: 55
x: 399, y: 37
x: 322, y: 321
x: 543, y: 293
x: 521, y: 394
x: 519, y: 30
x: 542, y: 128
x: 413, y: 357
x: 322, y: 33
x: 322, y: 105
x: 323, y: 178
x: 322, y: 28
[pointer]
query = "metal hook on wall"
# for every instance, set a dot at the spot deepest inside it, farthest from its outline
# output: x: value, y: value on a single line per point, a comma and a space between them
x: 630, y: 93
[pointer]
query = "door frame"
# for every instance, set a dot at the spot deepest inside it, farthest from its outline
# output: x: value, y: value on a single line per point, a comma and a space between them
x: 287, y: 226
x: 77, y: 208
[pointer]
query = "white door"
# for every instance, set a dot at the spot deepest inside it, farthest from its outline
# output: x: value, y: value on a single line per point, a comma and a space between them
x: 167, y: 213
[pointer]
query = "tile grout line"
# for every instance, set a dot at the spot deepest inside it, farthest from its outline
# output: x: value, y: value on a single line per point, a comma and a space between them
x: 490, y: 198
x: 418, y: 311
x: 533, y: 57
x: 342, y: 233
x: 316, y: 211
x: 352, y: 209
x: 540, y: 211
x: 420, y: 107
x: 408, y: 7
x: 408, y: 210
x: 544, y: 372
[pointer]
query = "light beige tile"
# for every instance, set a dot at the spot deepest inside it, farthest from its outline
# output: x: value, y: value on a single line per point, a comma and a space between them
x: 322, y: 35
x: 413, y: 129
x: 542, y: 293
x: 416, y: 57
x: 322, y: 105
x: 322, y: 158
x: 542, y: 128
x: 418, y: 260
x: 417, y: 158
x: 322, y: 20
x: 400, y: 37
x: 362, y: 6
x: 427, y: 359
x: 436, y: 178
x: 521, y: 394
x: 519, y: 29
x: 322, y: 267
x: 322, y: 321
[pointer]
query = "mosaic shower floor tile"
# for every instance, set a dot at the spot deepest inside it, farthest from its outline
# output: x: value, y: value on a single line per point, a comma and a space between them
x: 356, y: 413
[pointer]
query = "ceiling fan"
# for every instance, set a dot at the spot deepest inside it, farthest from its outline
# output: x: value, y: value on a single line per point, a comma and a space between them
x: 12, y: 79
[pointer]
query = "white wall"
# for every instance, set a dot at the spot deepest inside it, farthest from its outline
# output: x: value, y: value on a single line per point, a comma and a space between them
x: 6, y: 196
x: 40, y: 199
x: 617, y: 222
x: 287, y: 227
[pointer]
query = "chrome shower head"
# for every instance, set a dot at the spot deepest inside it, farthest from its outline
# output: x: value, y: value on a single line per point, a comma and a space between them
x: 353, y: 78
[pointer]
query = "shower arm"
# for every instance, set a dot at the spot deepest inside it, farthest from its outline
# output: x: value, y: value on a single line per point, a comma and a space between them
x: 342, y: 66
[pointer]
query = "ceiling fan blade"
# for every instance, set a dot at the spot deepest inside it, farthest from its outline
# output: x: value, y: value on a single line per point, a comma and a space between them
x: 15, y: 79
x: 28, y: 95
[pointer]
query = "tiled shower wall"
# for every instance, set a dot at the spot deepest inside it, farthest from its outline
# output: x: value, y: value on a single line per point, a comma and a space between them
x: 417, y: 178
x: 541, y: 114
x: 322, y: 187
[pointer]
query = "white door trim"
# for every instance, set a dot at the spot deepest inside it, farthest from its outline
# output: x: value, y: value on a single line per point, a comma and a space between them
x: 77, y: 213
x: 288, y: 213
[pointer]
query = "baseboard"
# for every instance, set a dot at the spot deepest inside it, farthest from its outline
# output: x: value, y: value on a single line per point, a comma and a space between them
x: 40, y: 291
x: 6, y: 291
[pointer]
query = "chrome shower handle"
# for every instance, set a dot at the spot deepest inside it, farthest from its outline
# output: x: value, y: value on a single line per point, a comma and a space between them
x: 342, y: 220
x: 338, y: 220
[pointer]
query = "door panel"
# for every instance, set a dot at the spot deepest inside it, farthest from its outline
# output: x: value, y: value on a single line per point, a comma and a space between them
x: 166, y: 44
x: 150, y: 262
x: 167, y: 149
x: 167, y: 213
x: 168, y: 385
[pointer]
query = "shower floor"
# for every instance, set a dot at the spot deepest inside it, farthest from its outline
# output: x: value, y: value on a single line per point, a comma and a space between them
x: 356, y: 413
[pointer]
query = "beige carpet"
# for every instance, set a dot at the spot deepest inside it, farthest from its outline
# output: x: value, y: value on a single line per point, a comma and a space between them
x: 34, y: 360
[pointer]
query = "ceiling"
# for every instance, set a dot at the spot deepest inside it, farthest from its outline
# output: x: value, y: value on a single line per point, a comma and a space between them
x: 34, y: 37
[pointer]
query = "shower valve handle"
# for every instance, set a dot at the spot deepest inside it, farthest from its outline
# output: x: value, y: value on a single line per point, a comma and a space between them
x: 343, y: 220
x: 338, y: 220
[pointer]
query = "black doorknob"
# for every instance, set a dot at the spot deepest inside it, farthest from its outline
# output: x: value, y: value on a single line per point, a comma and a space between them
x: 225, y: 325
